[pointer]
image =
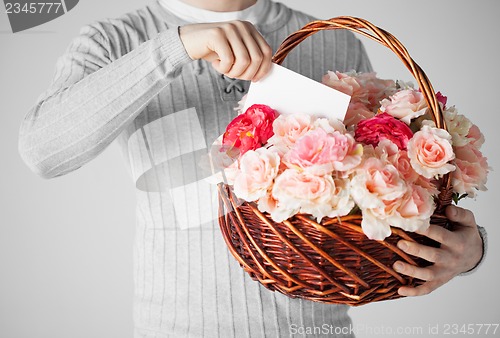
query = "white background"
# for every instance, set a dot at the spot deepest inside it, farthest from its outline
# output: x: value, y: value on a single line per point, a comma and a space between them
x: 66, y: 243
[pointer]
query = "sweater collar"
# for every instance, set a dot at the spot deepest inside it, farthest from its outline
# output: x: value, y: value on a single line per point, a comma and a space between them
x: 254, y: 13
x: 267, y: 26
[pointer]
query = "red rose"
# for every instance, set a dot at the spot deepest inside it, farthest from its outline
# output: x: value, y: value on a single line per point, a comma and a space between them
x: 250, y: 130
x: 442, y: 99
x: 383, y: 126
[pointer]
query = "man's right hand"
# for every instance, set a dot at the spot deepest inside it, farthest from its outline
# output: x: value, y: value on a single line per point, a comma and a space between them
x: 235, y: 49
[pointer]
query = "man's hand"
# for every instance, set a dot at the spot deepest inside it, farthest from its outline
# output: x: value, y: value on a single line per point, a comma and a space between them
x: 460, y: 251
x: 235, y: 48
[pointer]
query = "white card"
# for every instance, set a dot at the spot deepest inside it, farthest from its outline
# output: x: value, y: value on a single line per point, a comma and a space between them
x: 289, y: 92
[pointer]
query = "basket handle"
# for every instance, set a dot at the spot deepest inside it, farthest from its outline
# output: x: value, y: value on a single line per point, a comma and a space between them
x: 386, y: 39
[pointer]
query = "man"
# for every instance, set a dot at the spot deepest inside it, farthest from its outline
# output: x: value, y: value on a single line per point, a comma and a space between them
x: 163, y: 81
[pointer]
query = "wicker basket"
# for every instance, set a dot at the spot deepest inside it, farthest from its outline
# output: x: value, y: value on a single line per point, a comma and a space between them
x: 331, y: 262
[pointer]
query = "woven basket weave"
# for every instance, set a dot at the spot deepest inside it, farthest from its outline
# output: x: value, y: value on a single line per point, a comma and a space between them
x: 332, y: 261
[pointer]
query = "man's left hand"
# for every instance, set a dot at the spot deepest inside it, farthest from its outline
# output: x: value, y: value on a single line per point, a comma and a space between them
x: 460, y: 251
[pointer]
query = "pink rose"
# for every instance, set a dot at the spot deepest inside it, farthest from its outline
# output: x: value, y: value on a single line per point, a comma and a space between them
x: 320, y: 152
x: 251, y: 129
x: 405, y: 105
x: 430, y: 151
x: 383, y: 126
x: 471, y: 172
x: 288, y: 129
x: 475, y: 136
x: 257, y: 170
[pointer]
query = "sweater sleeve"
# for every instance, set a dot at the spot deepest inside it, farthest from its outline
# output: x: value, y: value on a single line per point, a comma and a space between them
x: 93, y: 97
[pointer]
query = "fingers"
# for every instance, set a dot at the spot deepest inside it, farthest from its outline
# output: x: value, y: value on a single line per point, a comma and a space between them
x: 463, y: 216
x: 438, y: 233
x: 460, y: 251
x: 236, y: 48
x: 251, y: 57
x: 428, y: 253
x: 426, y: 274
x: 266, y: 53
x: 420, y: 290
x: 223, y: 57
x: 432, y: 279
x: 248, y: 56
x: 444, y: 236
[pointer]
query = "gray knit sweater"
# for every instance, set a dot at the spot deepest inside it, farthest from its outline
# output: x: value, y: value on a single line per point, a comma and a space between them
x: 130, y: 80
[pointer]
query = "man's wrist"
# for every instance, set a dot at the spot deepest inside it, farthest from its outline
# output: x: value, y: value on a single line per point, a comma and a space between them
x: 484, y: 237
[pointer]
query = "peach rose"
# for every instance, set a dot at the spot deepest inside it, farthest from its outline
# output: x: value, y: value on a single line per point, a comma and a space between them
x: 363, y: 88
x: 320, y: 152
x: 376, y: 182
x: 411, y: 210
x: 414, y: 210
x: 267, y: 203
x: 388, y: 151
x: 346, y: 83
x: 341, y: 200
x: 458, y: 126
x: 329, y: 125
x: 374, y: 226
x: 303, y: 192
x: 405, y: 105
x: 430, y: 151
x: 258, y: 168
x: 288, y: 129
x: 471, y: 172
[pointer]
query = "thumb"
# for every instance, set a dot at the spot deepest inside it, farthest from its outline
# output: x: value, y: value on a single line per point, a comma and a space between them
x: 462, y: 216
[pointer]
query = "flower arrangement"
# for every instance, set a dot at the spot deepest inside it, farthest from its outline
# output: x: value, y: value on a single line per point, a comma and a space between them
x: 384, y: 160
